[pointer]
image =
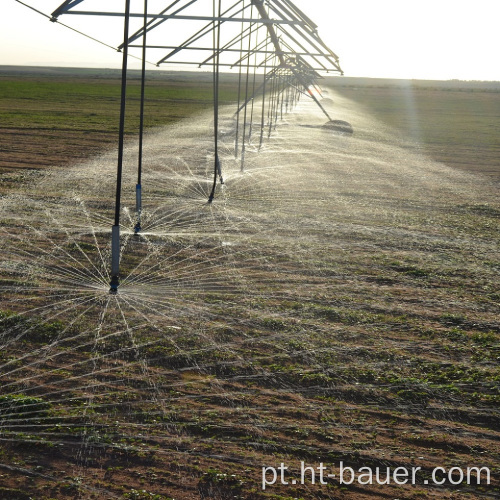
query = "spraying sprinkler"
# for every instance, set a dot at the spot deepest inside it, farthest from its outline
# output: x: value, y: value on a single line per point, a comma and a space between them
x: 138, y: 207
x: 340, y: 126
x: 113, y: 288
x: 217, y: 173
x: 290, y: 54
x: 115, y: 259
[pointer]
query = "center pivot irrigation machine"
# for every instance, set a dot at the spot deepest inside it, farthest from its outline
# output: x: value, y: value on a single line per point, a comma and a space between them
x: 275, y: 46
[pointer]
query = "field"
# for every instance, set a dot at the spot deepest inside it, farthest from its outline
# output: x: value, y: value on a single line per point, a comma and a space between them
x: 338, y: 302
x: 453, y: 122
x: 54, y: 117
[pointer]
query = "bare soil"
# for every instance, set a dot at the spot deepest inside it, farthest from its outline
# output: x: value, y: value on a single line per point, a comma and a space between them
x: 375, y: 344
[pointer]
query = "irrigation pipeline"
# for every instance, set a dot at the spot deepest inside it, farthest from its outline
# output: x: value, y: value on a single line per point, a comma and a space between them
x: 285, y: 74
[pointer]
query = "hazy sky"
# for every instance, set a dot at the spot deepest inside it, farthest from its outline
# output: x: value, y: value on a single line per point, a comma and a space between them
x: 426, y: 39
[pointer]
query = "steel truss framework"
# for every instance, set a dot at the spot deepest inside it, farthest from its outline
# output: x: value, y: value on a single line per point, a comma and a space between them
x: 274, y: 44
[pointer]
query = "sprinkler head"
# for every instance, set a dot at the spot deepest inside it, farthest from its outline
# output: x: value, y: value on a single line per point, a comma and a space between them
x: 114, y: 285
x: 137, y: 228
x: 340, y: 126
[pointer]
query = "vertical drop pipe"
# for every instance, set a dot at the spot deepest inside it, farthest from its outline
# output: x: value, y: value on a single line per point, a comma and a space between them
x: 263, y: 110
x: 279, y: 99
x: 115, y: 232
x: 138, y: 187
x: 253, y: 84
x: 243, y: 143
x: 216, y: 73
x: 237, y: 132
x: 272, y: 98
x: 288, y: 93
x: 283, y: 94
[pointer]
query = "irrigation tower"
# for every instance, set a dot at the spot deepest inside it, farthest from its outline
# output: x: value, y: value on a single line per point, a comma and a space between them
x: 275, y: 46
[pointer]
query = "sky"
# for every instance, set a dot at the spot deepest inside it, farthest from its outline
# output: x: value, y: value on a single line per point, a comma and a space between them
x: 418, y: 39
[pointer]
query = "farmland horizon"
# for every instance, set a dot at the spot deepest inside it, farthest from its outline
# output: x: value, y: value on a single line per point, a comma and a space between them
x: 473, y: 104
x: 154, y: 72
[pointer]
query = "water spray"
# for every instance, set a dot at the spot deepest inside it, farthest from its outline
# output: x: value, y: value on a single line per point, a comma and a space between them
x: 289, y: 60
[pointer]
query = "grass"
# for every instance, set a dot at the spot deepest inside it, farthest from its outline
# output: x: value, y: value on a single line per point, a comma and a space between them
x: 50, y: 105
x: 53, y: 121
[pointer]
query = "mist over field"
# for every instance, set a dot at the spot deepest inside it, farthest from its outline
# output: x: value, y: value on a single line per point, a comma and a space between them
x: 338, y: 301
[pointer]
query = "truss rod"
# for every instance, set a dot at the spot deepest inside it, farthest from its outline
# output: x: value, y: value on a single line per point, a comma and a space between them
x: 148, y: 26
x: 234, y: 41
x: 274, y: 39
x: 309, y: 40
x: 208, y: 49
x: 301, y: 46
x: 201, y: 33
x: 298, y: 13
x: 187, y: 18
x: 312, y: 37
x: 251, y: 52
x: 227, y: 65
x: 68, y: 4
